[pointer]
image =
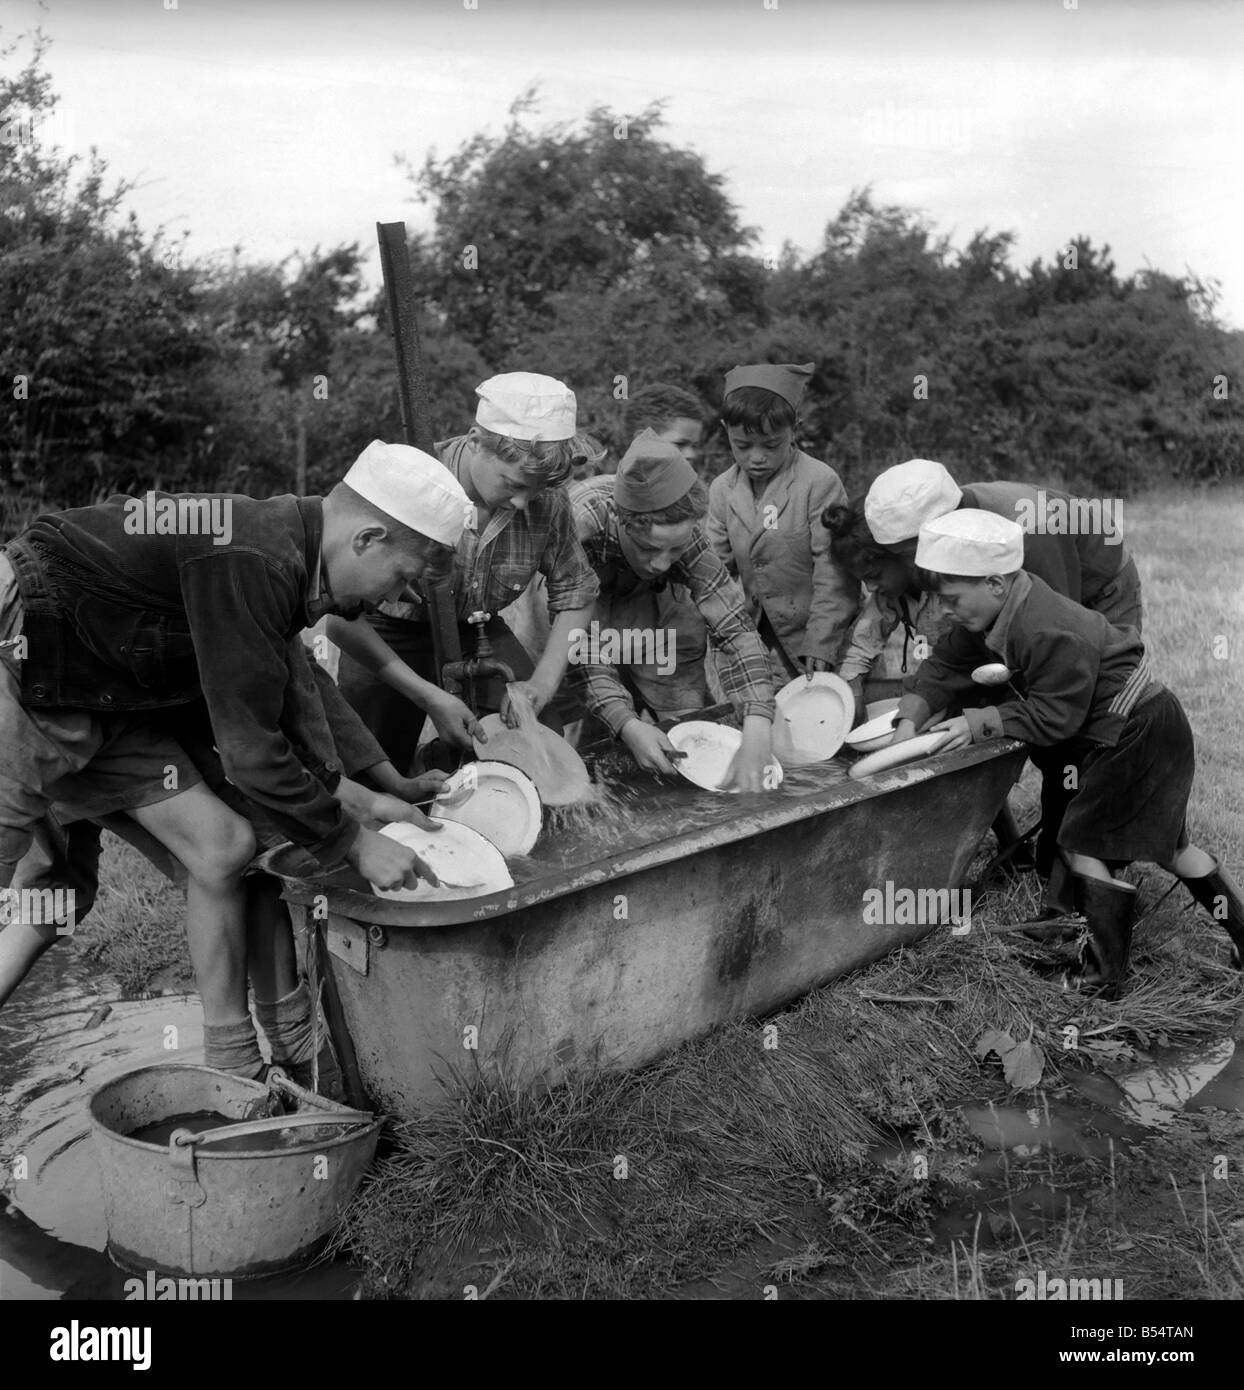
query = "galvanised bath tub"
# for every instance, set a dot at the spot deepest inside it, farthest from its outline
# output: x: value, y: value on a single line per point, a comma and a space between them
x: 703, y: 908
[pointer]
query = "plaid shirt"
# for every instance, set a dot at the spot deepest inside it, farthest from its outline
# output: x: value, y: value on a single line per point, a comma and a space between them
x: 492, y: 569
x: 744, y: 672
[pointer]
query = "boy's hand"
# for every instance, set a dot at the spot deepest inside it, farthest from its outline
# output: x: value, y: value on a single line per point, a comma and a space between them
x: 810, y: 664
x: 422, y: 788
x: 454, y: 722
x: 532, y: 691
x: 386, y: 864
x: 903, y: 730
x: 385, y: 808
x: 959, y: 729
x: 750, y: 765
x: 747, y: 771
x: 650, y: 748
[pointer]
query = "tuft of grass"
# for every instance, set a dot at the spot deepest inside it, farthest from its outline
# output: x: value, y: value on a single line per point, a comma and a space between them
x: 137, y: 929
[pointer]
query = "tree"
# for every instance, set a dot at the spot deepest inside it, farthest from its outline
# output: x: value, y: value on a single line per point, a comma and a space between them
x: 534, y: 214
x: 98, y: 356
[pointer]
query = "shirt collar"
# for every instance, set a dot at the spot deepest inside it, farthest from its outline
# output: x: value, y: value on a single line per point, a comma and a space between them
x: 996, y: 637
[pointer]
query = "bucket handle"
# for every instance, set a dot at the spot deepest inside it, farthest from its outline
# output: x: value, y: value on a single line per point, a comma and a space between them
x: 187, y: 1139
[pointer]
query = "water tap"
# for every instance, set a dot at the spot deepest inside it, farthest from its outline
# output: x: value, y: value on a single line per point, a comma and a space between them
x: 483, y: 664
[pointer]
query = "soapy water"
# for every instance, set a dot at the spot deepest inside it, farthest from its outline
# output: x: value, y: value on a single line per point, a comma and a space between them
x: 529, y: 727
x: 630, y: 809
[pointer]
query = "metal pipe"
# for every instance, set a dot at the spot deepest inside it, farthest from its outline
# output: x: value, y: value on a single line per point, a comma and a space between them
x: 412, y: 381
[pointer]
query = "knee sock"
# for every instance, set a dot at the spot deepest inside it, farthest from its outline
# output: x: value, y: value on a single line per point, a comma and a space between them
x: 287, y: 1025
x: 233, y: 1047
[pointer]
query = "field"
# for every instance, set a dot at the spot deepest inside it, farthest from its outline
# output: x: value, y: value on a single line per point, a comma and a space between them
x: 844, y: 1162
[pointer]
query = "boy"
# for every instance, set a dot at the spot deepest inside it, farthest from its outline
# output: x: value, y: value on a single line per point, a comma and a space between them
x: 511, y: 464
x: 764, y: 522
x: 641, y: 531
x: 898, y: 624
x: 1086, y: 690
x: 1089, y: 567
x: 672, y: 414
x: 109, y: 624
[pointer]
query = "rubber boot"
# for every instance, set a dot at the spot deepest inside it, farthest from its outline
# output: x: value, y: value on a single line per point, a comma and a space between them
x: 1109, y: 908
x: 1220, y: 895
x: 1059, y: 899
x: 1006, y: 829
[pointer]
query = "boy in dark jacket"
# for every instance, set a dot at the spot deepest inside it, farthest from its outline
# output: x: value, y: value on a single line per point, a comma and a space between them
x: 1083, y: 688
x: 135, y: 630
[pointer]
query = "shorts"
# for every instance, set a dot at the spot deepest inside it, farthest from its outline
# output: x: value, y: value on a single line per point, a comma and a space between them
x: 89, y: 764
x: 1133, y: 798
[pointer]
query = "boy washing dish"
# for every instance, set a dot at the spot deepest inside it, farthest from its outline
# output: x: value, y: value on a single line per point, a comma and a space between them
x: 122, y: 651
x: 1088, y: 566
x: 641, y: 530
x: 1085, y: 690
x: 511, y: 463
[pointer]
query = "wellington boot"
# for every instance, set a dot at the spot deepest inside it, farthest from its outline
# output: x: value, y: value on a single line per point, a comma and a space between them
x: 1220, y: 895
x: 1109, y: 907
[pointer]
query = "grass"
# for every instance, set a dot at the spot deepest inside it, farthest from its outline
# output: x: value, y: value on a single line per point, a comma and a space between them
x: 730, y: 1166
x: 137, y: 929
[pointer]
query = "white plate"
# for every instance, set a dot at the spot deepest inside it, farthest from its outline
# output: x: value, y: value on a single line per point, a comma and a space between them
x: 896, y: 754
x: 709, y: 749
x: 813, y: 717
x: 560, y: 774
x: 875, y: 734
x: 499, y: 801
x: 876, y: 707
x: 467, y: 863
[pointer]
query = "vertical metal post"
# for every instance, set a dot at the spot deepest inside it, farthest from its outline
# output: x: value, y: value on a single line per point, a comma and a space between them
x: 412, y: 382
x: 412, y: 392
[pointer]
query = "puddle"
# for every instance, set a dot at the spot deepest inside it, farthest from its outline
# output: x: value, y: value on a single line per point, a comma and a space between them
x: 52, y: 1232
x: 1023, y: 1176
x: 1155, y: 1095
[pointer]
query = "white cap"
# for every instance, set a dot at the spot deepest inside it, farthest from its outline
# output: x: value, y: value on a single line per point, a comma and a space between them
x: 526, y: 405
x: 904, y: 497
x: 972, y: 543
x: 412, y: 487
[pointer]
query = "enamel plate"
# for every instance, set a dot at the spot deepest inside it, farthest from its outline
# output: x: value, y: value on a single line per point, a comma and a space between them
x: 467, y: 864
x: 877, y: 733
x: 895, y: 755
x: 875, y: 707
x: 560, y: 775
x: 498, y: 800
x: 709, y: 748
x: 813, y: 717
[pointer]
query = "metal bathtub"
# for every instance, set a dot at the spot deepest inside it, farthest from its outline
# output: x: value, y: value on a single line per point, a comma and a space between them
x: 612, y: 958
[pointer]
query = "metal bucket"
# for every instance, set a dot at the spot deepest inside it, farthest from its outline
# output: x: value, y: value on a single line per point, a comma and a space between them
x: 179, y: 1208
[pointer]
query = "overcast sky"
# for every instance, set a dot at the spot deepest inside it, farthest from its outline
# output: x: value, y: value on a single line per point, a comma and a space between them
x: 273, y: 123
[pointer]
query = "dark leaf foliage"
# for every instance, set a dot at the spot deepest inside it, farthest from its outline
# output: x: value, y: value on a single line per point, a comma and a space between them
x: 605, y: 255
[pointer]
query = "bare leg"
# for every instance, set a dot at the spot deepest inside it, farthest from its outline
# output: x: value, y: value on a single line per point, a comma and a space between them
x: 215, y: 844
x: 59, y: 858
x: 1191, y: 862
x: 1088, y: 867
x: 21, y: 944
